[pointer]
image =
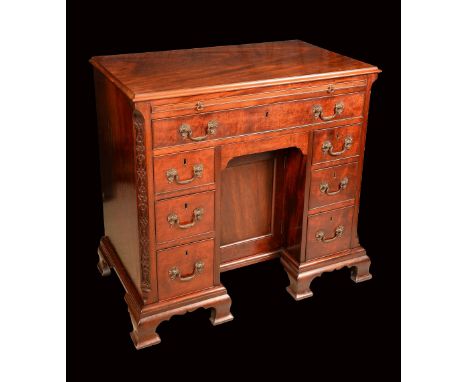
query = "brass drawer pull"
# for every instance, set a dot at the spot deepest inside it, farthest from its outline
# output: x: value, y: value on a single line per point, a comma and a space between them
x: 325, y: 188
x: 172, y: 175
x: 174, y: 272
x: 339, y: 107
x: 186, y: 131
x: 173, y: 218
x: 327, y: 146
x: 320, y: 235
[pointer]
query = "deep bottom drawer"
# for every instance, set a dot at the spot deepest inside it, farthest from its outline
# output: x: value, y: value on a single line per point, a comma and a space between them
x: 185, y: 269
x: 329, y: 232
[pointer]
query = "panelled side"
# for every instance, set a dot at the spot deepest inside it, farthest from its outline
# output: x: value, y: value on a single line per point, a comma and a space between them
x: 370, y: 81
x: 117, y: 145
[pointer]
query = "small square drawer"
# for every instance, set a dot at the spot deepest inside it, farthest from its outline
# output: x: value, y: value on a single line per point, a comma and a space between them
x: 336, y: 143
x: 329, y: 232
x: 184, y: 216
x: 332, y: 185
x: 185, y: 269
x: 183, y: 170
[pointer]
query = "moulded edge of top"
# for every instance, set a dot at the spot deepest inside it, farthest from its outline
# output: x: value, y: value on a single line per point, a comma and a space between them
x: 138, y: 97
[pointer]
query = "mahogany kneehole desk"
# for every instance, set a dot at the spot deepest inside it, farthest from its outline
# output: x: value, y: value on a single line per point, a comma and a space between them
x: 218, y: 158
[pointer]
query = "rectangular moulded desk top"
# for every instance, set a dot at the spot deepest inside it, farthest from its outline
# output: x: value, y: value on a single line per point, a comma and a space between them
x: 155, y: 75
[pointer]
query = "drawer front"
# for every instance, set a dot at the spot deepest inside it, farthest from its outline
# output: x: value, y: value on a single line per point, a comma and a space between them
x: 227, y: 123
x: 332, y: 185
x: 185, y: 269
x: 183, y: 170
x: 336, y: 143
x: 184, y: 216
x: 171, y: 107
x: 329, y: 232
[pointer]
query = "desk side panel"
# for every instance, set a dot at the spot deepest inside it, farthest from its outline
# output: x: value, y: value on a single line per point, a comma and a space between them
x: 116, y: 143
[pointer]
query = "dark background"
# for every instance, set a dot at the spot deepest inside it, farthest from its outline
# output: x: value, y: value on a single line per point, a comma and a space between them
x: 346, y: 330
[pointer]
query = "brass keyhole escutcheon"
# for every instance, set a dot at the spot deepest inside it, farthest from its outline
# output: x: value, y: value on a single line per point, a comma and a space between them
x: 199, y: 106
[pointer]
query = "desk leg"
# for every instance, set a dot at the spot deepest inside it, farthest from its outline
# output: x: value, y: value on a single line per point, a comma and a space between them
x: 299, y: 285
x: 144, y: 333
x: 299, y: 289
x: 145, y: 320
x: 360, y: 271
x: 102, y: 265
x: 221, y: 312
x: 301, y: 275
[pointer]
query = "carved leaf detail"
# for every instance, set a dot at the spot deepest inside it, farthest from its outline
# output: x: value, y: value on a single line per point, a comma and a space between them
x: 142, y: 198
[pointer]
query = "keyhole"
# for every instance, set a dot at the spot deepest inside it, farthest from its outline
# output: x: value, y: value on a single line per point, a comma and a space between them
x: 337, y: 136
x: 334, y: 175
x: 266, y: 114
x: 186, y: 253
x: 186, y: 205
x: 331, y: 218
x: 185, y: 162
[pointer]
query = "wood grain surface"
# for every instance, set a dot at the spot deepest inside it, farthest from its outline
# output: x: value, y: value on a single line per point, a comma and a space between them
x: 144, y: 76
x: 269, y: 176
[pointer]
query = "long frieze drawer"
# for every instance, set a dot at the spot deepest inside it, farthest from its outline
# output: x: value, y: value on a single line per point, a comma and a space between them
x: 333, y: 185
x: 228, y: 123
x: 329, y: 232
x: 210, y: 102
x: 184, y: 216
x: 183, y: 170
x: 336, y: 143
x: 185, y: 269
